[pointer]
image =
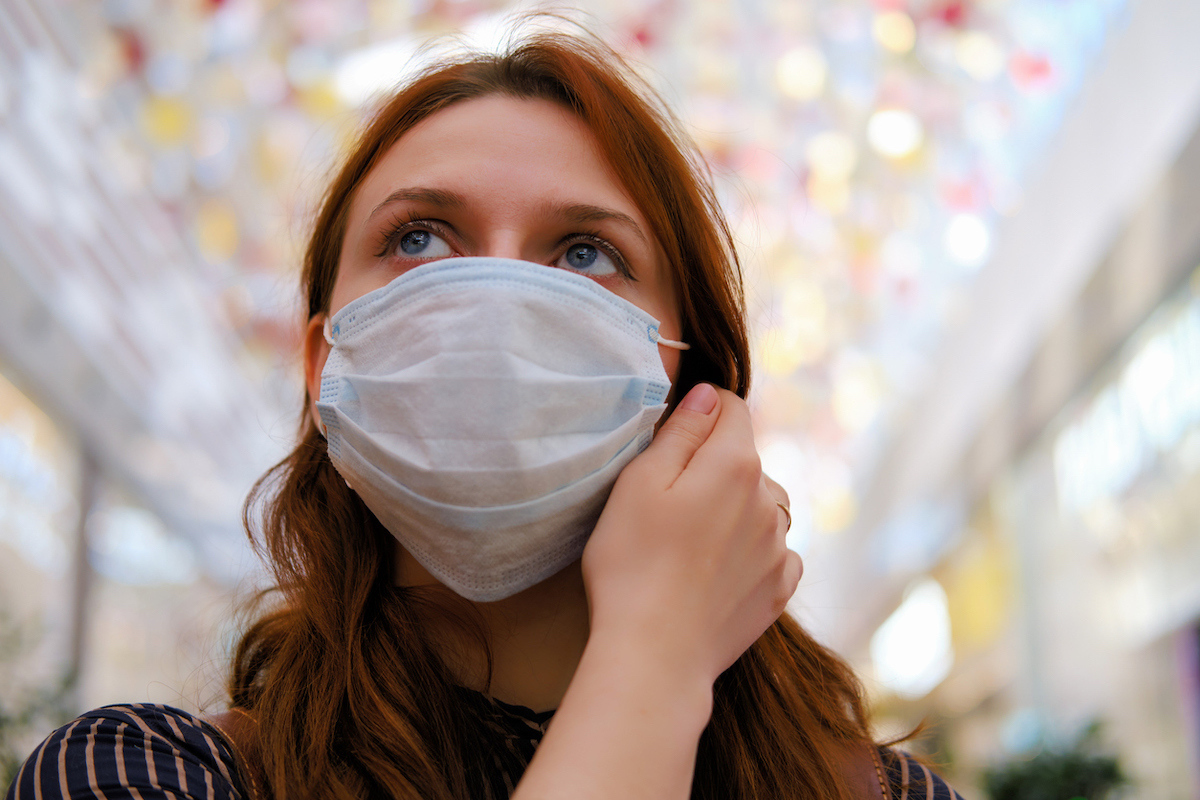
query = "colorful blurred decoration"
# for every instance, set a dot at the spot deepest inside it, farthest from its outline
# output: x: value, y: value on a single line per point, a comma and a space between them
x: 895, y: 132
x: 216, y: 232
x: 800, y: 73
x: 894, y: 30
x: 863, y: 151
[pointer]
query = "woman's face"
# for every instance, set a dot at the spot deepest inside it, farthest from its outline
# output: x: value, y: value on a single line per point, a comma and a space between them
x: 503, y: 177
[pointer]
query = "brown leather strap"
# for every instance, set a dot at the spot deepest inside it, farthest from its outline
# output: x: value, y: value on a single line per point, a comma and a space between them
x: 240, y: 729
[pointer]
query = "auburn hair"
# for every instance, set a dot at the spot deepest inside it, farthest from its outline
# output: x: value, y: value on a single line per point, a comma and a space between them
x: 341, y: 675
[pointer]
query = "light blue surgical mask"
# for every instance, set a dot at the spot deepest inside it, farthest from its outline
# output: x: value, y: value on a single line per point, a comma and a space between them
x: 483, y: 408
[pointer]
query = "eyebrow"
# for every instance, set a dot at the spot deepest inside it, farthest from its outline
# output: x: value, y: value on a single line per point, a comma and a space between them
x: 578, y: 213
x: 581, y: 213
x: 434, y: 197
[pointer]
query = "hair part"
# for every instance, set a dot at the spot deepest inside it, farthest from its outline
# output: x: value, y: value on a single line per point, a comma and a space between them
x: 349, y: 694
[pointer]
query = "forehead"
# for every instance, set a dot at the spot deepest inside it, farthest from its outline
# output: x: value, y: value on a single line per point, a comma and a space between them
x: 498, y: 144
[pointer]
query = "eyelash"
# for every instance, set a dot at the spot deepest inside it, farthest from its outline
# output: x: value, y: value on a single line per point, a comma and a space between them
x: 400, y: 225
x: 602, y: 244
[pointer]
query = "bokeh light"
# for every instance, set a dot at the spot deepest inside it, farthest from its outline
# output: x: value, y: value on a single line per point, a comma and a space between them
x: 895, y: 132
x: 967, y: 240
x: 800, y: 73
x: 894, y: 30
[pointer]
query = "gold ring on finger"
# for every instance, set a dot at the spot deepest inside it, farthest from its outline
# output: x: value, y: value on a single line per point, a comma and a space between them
x: 787, y: 513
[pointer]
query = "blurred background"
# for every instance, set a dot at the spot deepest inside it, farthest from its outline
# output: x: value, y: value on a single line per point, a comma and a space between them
x: 970, y: 229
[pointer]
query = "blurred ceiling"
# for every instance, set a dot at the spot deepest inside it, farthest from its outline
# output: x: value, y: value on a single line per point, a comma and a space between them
x: 158, y: 162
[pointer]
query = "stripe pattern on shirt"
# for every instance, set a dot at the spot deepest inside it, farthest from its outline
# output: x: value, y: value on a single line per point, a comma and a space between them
x: 909, y: 779
x: 130, y: 752
x: 154, y: 752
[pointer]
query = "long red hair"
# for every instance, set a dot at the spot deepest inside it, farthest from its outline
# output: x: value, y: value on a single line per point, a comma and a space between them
x: 341, y: 676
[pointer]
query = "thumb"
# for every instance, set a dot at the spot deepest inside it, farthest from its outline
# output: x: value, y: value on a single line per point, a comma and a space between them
x: 684, y: 432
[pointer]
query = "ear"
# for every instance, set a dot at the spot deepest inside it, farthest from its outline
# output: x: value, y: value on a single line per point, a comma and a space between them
x: 316, y: 350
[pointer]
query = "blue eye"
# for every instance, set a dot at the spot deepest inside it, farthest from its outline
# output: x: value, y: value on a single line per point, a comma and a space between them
x: 423, y: 244
x: 588, y: 259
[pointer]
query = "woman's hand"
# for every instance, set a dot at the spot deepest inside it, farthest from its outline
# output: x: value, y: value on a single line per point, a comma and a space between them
x: 686, y: 568
x: 687, y: 565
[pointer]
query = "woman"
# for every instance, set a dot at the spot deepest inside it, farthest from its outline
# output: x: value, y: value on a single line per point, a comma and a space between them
x: 458, y: 387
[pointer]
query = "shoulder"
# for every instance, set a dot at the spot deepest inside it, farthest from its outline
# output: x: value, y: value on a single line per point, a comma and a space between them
x: 139, y: 751
x: 909, y: 779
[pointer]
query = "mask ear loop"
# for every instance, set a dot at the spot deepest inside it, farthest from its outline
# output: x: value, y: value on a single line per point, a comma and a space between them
x: 327, y: 330
x: 673, y: 344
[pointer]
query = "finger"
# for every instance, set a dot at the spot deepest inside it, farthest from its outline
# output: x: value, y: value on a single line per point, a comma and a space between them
x: 778, y: 492
x: 789, y: 579
x: 793, y: 571
x: 780, y: 497
x: 688, y: 427
x: 785, y: 518
x: 731, y: 442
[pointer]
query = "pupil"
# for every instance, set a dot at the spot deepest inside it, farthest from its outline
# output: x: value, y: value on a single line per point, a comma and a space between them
x: 414, y: 242
x: 583, y: 255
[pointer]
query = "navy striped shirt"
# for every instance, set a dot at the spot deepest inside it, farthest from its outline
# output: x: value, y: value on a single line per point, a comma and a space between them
x: 143, y: 752
x: 154, y: 752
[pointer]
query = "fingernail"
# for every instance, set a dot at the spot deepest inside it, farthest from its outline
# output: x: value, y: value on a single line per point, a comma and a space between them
x: 702, y: 398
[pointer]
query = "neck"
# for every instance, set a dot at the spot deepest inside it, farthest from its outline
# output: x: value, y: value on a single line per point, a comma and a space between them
x: 537, y: 637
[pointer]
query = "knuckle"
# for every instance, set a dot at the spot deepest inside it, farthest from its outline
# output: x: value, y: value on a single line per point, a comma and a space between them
x: 684, y: 433
x: 745, y: 466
